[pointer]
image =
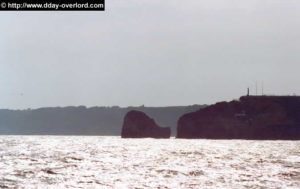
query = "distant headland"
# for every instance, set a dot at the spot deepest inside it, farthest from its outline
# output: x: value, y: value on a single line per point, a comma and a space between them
x: 80, y: 120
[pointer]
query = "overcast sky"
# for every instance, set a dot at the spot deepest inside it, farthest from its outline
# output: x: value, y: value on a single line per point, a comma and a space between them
x: 151, y: 52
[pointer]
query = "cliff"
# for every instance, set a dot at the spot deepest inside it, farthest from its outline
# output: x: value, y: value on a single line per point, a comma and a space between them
x: 82, y: 120
x: 138, y: 125
x: 251, y: 117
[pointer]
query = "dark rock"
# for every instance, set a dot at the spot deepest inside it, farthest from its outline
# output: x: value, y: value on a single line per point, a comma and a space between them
x: 252, y: 117
x: 138, y: 125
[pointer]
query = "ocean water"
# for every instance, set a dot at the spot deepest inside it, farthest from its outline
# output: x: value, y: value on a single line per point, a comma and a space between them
x: 112, y: 162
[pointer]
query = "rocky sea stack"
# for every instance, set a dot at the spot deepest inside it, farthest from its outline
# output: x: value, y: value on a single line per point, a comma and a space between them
x: 138, y: 125
x: 250, y: 117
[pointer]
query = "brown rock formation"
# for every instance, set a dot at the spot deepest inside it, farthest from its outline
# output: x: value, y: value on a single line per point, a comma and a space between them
x: 138, y: 125
x: 252, y: 117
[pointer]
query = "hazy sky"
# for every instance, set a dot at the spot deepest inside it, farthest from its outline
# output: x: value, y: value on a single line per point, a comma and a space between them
x: 149, y: 52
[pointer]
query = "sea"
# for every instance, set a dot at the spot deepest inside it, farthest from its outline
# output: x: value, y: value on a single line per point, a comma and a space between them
x: 113, y: 162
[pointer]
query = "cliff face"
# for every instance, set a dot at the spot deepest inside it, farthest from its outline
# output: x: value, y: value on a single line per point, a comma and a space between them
x: 252, y: 117
x: 138, y: 125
